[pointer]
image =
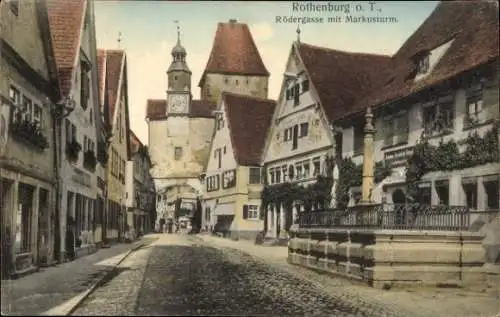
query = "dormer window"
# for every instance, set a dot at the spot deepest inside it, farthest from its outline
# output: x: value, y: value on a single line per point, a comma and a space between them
x: 84, y: 83
x: 423, y: 64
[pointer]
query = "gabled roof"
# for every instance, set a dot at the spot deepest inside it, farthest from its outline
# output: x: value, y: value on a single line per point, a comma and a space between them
x: 472, y: 26
x: 249, y: 120
x: 135, y: 143
x: 156, y: 109
x: 234, y: 52
x: 339, y: 77
x: 65, y: 22
x: 114, y: 72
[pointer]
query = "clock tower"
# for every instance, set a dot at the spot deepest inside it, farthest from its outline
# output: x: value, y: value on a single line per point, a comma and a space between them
x: 179, y: 81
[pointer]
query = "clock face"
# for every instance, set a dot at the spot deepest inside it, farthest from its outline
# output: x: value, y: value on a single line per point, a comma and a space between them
x: 178, y: 103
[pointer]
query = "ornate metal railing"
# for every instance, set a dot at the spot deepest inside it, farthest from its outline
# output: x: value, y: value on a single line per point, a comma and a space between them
x: 391, y: 216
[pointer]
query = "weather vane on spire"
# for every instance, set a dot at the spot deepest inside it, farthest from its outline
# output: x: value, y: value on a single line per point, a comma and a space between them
x: 178, y: 31
x: 119, y: 40
x: 298, y: 33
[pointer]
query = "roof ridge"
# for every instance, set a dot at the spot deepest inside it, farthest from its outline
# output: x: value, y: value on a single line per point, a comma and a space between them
x: 345, y: 52
x: 225, y: 93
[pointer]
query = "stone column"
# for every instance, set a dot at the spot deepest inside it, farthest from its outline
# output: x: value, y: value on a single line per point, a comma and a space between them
x: 282, y: 233
x: 275, y: 220
x: 367, y: 186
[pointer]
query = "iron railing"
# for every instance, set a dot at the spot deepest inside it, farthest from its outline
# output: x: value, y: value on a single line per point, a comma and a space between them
x: 391, y: 216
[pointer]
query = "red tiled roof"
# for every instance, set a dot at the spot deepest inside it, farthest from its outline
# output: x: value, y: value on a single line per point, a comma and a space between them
x: 234, y: 52
x: 474, y: 28
x: 65, y: 23
x: 341, y: 77
x: 249, y: 119
x: 156, y: 109
x: 135, y: 143
x: 114, y: 60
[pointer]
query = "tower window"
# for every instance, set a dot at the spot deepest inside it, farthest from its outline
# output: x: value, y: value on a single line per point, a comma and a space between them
x: 237, y: 82
x: 226, y: 80
x: 175, y: 77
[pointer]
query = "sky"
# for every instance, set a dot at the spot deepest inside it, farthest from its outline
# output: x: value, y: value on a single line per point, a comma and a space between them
x: 148, y: 33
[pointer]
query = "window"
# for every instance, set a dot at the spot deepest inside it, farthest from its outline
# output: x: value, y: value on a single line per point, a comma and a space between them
x: 229, y: 179
x: 491, y: 188
x: 470, y: 190
x: 272, y: 176
x: 177, y: 153
x: 84, y: 84
x: 91, y: 119
x: 288, y: 134
x: 251, y: 212
x: 226, y: 80
x: 212, y: 183
x: 284, y: 172
x: 224, y: 149
x: 73, y: 133
x: 306, y: 170
x: 296, y: 95
x: 219, y: 156
x: 305, y: 86
x: 37, y: 114
x: 277, y: 171
x: 396, y: 130
x: 358, y: 139
x: 423, y: 65
x: 298, y: 171
x: 474, y: 103
x: 304, y: 129
x: 295, y: 137
x: 14, y: 7
x: 254, y: 175
x: 316, y: 166
x: 28, y: 108
x: 438, y: 118
x: 424, y: 194
x: 443, y: 192
x: 237, y: 82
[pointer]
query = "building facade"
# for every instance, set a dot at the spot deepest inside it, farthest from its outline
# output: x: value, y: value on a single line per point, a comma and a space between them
x: 77, y: 72
x: 27, y: 152
x: 140, y: 199
x: 233, y: 180
x: 302, y: 140
x: 228, y: 70
x: 436, y: 107
x: 116, y: 109
x: 180, y: 130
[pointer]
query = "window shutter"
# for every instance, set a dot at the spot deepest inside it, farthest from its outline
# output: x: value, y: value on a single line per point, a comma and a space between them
x: 245, y: 211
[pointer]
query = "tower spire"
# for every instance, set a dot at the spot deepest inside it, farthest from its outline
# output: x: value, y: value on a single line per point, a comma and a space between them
x: 178, y: 32
x: 119, y: 40
x: 298, y: 33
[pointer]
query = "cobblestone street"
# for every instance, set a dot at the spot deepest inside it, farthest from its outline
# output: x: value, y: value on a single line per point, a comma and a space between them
x: 41, y: 291
x: 189, y: 275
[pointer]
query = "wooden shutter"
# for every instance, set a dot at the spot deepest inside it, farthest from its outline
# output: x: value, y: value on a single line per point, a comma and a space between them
x: 245, y: 211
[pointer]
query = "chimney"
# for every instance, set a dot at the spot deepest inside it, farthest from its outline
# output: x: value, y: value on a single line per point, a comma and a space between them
x: 233, y: 21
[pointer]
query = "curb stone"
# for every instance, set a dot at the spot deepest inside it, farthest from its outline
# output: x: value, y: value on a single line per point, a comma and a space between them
x: 73, y: 303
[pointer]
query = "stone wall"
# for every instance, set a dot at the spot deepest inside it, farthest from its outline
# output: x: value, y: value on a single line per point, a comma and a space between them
x: 384, y: 258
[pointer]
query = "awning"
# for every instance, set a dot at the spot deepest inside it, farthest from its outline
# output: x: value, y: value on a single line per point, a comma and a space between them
x: 224, y: 209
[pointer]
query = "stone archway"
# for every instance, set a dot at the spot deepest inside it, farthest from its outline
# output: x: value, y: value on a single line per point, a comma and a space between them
x: 398, y: 196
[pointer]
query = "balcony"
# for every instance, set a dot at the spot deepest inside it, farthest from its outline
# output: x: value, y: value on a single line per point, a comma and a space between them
x: 399, y: 157
x: 30, y: 134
